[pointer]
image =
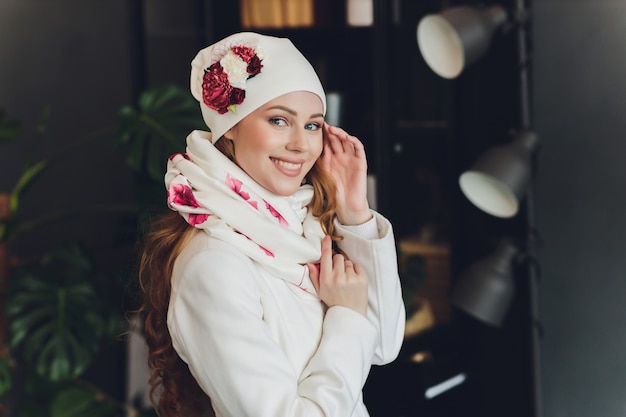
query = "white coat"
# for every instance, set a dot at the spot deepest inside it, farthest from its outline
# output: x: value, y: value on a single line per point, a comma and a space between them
x: 261, y: 347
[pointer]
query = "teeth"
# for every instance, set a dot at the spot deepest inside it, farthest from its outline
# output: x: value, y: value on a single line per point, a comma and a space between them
x: 287, y: 165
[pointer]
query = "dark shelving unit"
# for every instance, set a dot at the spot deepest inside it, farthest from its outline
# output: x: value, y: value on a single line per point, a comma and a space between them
x: 420, y: 133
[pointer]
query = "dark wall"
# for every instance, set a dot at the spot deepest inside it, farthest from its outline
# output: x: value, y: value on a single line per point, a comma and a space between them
x: 579, y: 102
x: 73, y: 56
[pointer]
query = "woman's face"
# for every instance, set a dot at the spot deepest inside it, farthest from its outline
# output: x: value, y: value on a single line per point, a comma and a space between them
x: 278, y: 143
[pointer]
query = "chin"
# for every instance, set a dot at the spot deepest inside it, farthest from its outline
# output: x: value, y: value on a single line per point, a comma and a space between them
x: 284, y: 191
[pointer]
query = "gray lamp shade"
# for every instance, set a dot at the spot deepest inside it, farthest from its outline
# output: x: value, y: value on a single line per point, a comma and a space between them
x: 457, y: 37
x: 486, y: 287
x: 497, y: 182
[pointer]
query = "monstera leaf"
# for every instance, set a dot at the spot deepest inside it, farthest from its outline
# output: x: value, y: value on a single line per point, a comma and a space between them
x: 158, y: 128
x: 56, y: 319
x: 83, y: 402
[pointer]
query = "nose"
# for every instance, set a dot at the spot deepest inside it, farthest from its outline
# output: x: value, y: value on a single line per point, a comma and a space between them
x: 297, y: 141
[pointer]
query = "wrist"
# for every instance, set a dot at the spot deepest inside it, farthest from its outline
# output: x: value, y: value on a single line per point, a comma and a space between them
x: 355, y: 218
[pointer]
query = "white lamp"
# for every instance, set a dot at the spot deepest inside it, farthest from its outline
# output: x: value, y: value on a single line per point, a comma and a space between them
x: 457, y: 37
x: 497, y: 182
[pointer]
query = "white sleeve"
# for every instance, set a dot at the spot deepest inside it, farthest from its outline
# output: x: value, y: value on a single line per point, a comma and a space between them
x: 216, y: 323
x: 372, y: 245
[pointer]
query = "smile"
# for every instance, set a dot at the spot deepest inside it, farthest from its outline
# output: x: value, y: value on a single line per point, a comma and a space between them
x: 286, y: 165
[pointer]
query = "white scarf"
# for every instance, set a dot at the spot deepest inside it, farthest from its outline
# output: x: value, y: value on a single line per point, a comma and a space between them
x: 213, y: 194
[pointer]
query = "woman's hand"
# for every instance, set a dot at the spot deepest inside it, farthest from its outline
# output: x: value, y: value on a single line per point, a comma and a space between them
x: 338, y: 281
x: 344, y: 158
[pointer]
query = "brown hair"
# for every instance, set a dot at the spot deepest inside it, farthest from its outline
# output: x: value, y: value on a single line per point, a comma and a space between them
x: 174, y: 392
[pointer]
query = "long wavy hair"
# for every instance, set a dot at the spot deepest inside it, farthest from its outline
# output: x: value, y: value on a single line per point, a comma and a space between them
x: 174, y: 392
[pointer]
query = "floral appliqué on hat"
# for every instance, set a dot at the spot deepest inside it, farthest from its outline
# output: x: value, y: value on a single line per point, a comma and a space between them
x: 224, y: 82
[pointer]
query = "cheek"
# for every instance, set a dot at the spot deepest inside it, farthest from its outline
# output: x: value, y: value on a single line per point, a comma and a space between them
x: 318, y: 147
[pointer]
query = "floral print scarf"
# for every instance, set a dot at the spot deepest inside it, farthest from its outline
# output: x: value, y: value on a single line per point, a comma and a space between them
x: 213, y: 194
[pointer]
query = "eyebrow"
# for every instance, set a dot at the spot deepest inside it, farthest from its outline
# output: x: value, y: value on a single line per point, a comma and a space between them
x: 293, y: 112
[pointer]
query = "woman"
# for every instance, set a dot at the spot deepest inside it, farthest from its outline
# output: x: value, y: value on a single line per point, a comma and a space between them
x: 246, y: 301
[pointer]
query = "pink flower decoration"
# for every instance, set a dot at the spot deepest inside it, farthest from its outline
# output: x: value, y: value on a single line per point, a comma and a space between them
x: 299, y: 285
x: 235, y: 185
x: 267, y: 252
x: 184, y: 155
x: 181, y: 195
x: 244, y: 52
x: 217, y: 92
x: 195, y: 219
x: 275, y: 213
x: 249, y: 56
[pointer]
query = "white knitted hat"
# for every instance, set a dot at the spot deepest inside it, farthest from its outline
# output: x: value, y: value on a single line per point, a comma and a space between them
x: 242, y: 72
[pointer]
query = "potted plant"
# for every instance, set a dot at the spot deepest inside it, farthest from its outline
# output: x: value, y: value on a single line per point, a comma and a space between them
x: 62, y: 310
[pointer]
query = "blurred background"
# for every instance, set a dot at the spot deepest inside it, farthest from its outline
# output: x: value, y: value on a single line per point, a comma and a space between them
x: 93, y: 97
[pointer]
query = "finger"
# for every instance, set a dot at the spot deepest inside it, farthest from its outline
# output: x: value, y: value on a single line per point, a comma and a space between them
x: 349, y: 143
x: 339, y: 262
x: 347, y: 147
x: 337, y: 130
x: 343, y: 144
x: 333, y: 140
x: 359, y: 149
x: 349, y: 265
x: 327, y: 155
x: 338, y: 138
x: 326, y: 261
x: 354, y: 144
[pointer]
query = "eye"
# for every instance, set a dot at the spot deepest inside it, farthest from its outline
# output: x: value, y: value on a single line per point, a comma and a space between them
x: 278, y: 121
x: 313, y: 126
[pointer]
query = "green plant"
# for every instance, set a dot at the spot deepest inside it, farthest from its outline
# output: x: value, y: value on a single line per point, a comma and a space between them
x: 150, y: 133
x: 9, y: 131
x: 64, y: 309
x: 58, y: 322
x: 56, y: 319
x: 157, y: 128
